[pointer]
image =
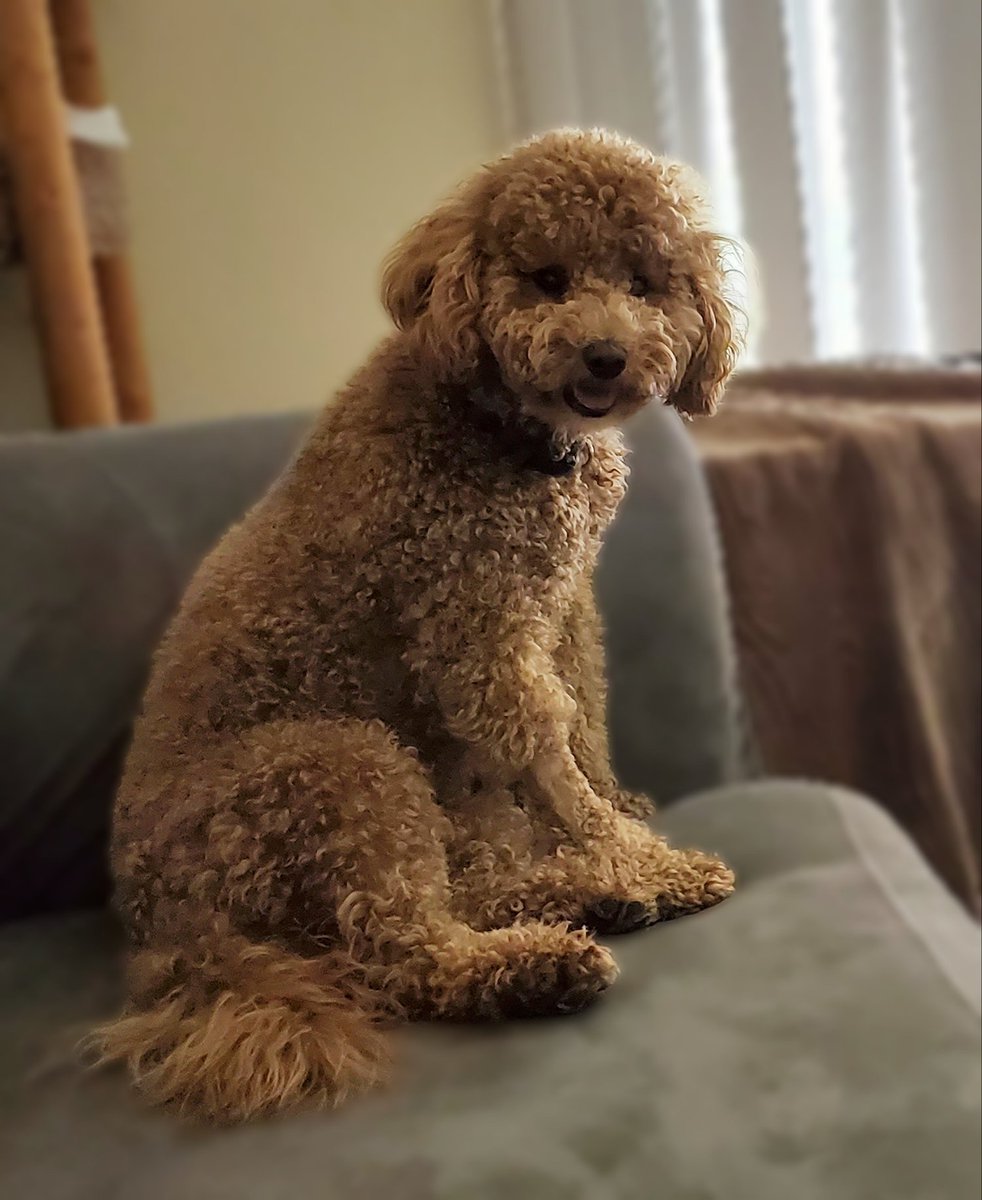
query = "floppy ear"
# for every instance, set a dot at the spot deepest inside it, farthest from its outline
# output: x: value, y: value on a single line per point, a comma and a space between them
x: 720, y: 342
x: 431, y: 281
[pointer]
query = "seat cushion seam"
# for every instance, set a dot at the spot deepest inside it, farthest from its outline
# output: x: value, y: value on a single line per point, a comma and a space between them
x: 899, y: 907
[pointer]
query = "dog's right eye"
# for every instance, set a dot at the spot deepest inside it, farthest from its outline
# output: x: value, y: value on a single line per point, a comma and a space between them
x: 552, y: 281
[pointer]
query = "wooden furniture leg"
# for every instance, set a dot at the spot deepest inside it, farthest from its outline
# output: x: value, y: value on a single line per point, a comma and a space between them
x: 51, y: 220
x: 81, y: 80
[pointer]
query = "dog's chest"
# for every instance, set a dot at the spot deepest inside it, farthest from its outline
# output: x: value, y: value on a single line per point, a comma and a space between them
x: 555, y: 524
x: 579, y: 506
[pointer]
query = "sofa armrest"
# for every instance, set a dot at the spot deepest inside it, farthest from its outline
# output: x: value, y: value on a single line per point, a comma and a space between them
x: 674, y: 706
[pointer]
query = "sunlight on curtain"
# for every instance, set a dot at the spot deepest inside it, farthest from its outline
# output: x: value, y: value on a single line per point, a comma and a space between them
x: 826, y: 203
x: 721, y: 165
x: 840, y: 140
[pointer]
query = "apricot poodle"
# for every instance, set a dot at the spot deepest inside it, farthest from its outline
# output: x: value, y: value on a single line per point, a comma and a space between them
x: 371, y: 779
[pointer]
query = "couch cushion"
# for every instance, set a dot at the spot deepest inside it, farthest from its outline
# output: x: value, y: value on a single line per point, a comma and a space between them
x: 817, y: 1036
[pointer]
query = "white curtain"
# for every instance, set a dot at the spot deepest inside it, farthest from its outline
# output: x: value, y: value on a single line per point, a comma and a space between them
x: 840, y: 138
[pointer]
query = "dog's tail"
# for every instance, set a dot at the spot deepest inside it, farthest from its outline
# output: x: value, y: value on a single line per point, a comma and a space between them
x: 231, y: 1029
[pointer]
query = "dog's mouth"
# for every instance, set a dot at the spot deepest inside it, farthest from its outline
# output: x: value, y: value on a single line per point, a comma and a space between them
x: 590, y: 399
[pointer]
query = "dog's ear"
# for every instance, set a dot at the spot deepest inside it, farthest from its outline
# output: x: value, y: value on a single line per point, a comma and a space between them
x: 431, y: 281
x: 719, y: 343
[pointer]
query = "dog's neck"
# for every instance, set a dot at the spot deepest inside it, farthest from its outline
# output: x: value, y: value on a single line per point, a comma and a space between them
x: 528, y: 444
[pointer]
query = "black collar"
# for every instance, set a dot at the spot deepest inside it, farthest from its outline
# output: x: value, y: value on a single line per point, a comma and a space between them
x: 549, y: 459
x: 529, y: 444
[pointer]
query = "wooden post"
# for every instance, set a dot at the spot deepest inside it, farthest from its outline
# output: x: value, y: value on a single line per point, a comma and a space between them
x: 52, y: 225
x: 81, y: 80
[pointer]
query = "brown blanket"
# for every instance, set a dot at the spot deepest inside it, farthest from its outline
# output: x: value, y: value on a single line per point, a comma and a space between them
x: 849, y: 506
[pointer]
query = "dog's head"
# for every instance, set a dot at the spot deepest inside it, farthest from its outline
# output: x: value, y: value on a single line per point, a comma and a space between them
x: 580, y: 269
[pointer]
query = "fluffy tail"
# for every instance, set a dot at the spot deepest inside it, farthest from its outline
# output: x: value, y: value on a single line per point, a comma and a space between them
x: 234, y: 1029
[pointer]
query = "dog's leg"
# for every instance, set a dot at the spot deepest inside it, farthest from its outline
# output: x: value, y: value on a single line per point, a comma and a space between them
x: 331, y: 827
x: 580, y: 663
x: 643, y: 884
x: 635, y: 877
x: 503, y: 863
x: 501, y: 694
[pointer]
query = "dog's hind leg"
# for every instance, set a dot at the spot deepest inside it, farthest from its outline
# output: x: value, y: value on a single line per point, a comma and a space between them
x: 289, y: 888
x: 383, y: 872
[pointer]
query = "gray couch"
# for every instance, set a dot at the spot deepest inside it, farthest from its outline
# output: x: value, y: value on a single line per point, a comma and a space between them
x: 815, y: 1038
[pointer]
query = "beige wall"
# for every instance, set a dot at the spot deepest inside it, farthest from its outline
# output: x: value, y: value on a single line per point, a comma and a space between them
x: 279, y: 147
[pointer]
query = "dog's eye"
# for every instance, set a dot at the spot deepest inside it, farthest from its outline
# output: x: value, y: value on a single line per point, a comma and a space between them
x: 553, y: 281
x: 640, y: 285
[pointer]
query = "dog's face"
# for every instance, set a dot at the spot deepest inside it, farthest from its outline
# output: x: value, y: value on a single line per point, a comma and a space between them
x: 578, y: 268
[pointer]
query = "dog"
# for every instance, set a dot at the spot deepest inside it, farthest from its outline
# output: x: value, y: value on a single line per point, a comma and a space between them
x: 370, y: 781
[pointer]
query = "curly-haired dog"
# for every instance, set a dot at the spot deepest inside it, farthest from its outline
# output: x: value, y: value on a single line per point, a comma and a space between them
x: 371, y: 778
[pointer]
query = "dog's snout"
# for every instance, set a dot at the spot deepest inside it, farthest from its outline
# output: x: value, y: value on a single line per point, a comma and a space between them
x: 604, y: 360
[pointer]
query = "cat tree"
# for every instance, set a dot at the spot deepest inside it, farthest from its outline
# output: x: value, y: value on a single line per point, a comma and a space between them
x: 67, y: 214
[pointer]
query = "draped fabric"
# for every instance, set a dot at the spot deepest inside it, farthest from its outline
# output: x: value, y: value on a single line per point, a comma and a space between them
x: 849, y: 505
x: 840, y: 140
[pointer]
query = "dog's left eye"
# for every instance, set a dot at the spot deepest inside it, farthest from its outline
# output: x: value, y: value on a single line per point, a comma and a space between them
x: 553, y: 281
x: 640, y: 285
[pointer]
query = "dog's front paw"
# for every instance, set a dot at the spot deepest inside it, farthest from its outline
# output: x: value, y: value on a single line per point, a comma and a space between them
x: 608, y: 915
x: 667, y: 884
x: 698, y: 880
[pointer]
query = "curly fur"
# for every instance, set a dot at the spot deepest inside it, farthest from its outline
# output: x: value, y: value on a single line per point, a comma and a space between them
x: 371, y: 779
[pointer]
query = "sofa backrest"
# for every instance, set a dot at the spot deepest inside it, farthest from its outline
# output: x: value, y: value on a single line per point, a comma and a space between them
x: 675, y: 714
x: 100, y: 532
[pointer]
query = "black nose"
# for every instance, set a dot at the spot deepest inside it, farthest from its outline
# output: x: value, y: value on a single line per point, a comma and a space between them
x: 605, y: 360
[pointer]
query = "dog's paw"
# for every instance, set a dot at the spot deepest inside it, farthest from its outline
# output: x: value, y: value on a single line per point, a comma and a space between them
x: 609, y: 915
x: 557, y: 983
x: 564, y: 973
x: 530, y: 970
x: 682, y: 881
x: 697, y: 881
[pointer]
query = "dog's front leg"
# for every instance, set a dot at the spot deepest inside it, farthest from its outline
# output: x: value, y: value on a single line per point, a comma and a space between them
x: 613, y: 874
x: 591, y: 820
x: 498, y: 691
x: 579, y: 659
x: 625, y: 875
x: 495, y: 683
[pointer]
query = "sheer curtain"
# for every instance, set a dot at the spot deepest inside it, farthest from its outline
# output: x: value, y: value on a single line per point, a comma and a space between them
x: 840, y: 138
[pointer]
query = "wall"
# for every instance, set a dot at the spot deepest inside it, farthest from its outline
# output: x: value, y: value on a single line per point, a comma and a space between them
x: 279, y: 148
